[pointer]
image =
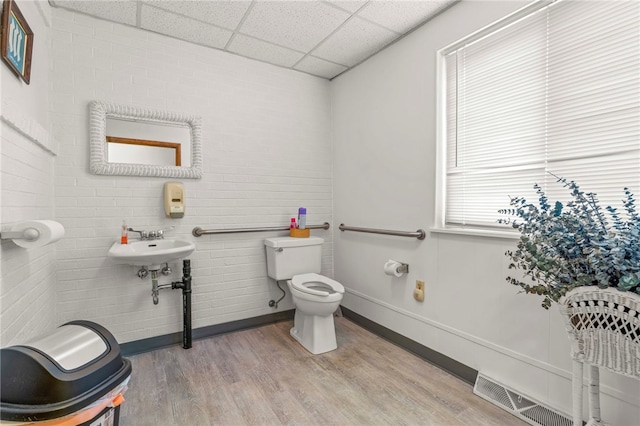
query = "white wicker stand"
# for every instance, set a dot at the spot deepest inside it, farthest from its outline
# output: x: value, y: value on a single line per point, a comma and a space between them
x: 604, y: 330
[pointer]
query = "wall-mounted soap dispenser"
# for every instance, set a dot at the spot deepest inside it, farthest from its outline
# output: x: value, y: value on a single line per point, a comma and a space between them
x: 174, y: 200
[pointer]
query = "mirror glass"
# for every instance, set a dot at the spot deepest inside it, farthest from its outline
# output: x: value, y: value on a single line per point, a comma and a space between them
x: 140, y: 142
x: 140, y: 151
x: 135, y: 141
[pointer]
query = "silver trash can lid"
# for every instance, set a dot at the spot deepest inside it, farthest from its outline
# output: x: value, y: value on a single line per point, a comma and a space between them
x: 71, y: 346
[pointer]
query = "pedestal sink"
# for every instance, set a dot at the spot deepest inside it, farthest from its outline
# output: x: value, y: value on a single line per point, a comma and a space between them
x: 150, y: 253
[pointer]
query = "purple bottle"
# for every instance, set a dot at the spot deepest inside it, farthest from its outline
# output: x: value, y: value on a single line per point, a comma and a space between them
x: 302, y: 218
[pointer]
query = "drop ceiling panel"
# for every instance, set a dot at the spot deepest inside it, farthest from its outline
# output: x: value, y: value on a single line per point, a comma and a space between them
x: 225, y: 14
x: 157, y: 20
x: 263, y: 51
x: 355, y: 41
x: 401, y: 16
x: 298, y: 25
x: 319, y: 37
x: 348, y: 5
x: 319, y: 67
x: 123, y: 11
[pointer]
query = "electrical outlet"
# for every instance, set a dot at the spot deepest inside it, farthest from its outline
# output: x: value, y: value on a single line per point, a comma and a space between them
x: 418, y: 293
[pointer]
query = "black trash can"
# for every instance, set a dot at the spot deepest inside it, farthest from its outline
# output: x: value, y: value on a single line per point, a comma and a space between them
x: 75, y: 374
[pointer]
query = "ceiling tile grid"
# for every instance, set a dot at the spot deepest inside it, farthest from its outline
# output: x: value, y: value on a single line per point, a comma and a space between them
x: 122, y: 11
x: 355, y: 41
x: 350, y: 6
x: 323, y: 38
x: 319, y: 67
x: 225, y: 14
x: 263, y: 51
x: 401, y: 16
x: 298, y: 25
x: 157, y: 20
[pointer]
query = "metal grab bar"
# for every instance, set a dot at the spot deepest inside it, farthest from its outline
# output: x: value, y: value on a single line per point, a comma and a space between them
x: 419, y: 234
x: 197, y: 231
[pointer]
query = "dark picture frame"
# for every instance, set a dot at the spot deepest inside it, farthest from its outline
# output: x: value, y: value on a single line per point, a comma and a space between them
x: 17, y: 40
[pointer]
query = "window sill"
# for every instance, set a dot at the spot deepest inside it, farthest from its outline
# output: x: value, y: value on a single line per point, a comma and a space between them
x: 511, y: 235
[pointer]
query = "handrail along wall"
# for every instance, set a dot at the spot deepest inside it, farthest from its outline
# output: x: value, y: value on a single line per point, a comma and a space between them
x: 198, y: 232
x: 419, y: 234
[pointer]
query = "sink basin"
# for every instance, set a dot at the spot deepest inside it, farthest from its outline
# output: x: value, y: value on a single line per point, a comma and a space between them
x: 150, y: 253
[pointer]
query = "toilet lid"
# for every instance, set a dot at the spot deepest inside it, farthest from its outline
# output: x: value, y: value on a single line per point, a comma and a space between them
x: 315, y: 283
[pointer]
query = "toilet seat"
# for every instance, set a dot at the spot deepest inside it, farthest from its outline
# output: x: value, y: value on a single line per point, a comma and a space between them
x: 303, y: 283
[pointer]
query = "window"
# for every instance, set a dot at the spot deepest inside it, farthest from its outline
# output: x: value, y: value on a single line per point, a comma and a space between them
x: 553, y: 88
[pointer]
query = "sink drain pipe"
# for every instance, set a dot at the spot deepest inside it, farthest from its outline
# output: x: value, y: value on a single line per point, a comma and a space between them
x: 185, y: 286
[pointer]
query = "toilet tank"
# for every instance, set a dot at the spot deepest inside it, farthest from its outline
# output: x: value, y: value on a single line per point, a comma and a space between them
x: 287, y: 256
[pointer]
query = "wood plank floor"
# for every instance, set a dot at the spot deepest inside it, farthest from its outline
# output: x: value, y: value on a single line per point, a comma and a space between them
x: 262, y: 376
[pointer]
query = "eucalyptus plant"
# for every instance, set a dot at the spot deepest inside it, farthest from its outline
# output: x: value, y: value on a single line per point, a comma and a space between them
x: 580, y: 244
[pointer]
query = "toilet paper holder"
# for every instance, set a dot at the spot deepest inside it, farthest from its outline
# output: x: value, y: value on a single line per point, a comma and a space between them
x: 395, y: 268
x: 29, y: 234
x: 403, y: 268
x: 34, y: 233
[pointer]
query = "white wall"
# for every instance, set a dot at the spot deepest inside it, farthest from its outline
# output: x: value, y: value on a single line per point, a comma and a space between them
x: 384, y: 118
x: 267, y: 151
x: 27, y: 289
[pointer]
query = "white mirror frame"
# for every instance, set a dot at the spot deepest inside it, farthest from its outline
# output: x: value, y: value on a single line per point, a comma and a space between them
x: 98, y: 159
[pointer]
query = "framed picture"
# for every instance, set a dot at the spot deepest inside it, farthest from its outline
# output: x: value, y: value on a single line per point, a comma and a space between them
x: 17, y: 40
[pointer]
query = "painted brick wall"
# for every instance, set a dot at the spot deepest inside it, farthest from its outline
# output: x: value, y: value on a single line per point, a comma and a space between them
x: 267, y: 151
x: 28, y: 276
x: 27, y: 289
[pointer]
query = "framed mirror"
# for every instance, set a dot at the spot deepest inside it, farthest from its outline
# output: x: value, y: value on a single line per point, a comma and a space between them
x: 132, y: 141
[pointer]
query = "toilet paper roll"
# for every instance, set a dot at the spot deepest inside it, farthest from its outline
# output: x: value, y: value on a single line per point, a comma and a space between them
x: 38, y: 233
x: 391, y: 268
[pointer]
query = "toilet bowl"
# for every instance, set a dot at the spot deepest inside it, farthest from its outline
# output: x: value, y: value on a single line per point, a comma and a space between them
x: 316, y: 298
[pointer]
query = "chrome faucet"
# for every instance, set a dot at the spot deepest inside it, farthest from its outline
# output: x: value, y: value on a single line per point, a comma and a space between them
x: 152, y: 235
x: 143, y: 234
x: 160, y: 232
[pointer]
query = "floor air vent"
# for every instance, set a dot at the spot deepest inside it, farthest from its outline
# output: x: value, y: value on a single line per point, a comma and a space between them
x: 520, y: 406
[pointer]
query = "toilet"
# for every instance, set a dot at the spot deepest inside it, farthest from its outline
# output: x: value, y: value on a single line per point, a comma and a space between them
x: 316, y: 297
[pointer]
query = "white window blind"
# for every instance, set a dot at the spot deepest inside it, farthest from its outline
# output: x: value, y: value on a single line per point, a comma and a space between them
x: 557, y: 91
